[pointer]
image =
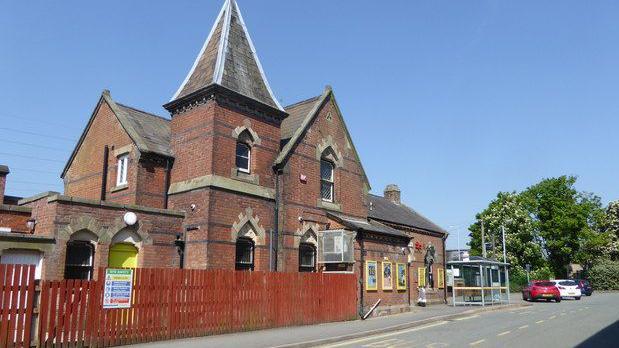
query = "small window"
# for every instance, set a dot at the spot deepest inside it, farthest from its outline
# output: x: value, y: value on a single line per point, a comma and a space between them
x: 307, y: 258
x: 79, y: 260
x: 244, y: 254
x: 121, y: 173
x: 326, y: 181
x: 243, y: 157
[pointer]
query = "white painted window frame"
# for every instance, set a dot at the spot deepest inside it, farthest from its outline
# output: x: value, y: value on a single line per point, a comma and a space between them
x: 121, y: 170
x: 248, y: 169
x: 331, y: 181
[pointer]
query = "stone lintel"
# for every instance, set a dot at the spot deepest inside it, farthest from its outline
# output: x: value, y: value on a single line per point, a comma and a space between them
x: 222, y: 183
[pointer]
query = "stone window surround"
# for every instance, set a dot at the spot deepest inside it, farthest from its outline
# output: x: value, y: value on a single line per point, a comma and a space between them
x: 246, y: 135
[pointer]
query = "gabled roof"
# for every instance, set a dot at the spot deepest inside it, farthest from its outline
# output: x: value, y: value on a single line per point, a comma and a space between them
x: 383, y: 209
x: 149, y: 132
x: 296, y: 115
x: 300, y: 117
x: 228, y: 58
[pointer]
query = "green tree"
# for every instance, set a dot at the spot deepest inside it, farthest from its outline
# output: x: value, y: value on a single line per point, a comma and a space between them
x: 612, y: 225
x: 522, y: 244
x: 569, y: 223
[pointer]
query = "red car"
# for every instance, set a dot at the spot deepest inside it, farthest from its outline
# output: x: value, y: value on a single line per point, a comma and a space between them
x: 541, y: 289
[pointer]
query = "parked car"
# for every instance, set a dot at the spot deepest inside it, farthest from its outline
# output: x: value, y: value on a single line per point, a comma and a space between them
x: 585, y: 287
x: 541, y: 289
x: 568, y: 288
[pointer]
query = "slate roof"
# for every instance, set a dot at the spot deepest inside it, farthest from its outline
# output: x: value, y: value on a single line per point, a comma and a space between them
x: 364, y: 225
x: 296, y: 114
x: 383, y: 209
x: 228, y: 58
x: 153, y: 130
x: 149, y: 132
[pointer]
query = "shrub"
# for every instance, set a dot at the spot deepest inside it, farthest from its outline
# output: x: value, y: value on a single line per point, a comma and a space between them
x: 605, y: 275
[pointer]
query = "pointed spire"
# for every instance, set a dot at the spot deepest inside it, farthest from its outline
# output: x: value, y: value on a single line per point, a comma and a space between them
x: 228, y: 58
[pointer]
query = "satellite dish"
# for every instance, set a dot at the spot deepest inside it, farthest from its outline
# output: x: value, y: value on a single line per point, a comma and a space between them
x: 130, y: 218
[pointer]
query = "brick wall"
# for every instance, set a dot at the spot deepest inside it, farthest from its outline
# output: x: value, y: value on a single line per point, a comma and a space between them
x: 157, y: 250
x: 300, y: 198
x: 203, y: 144
x: 14, y: 218
x: 145, y: 173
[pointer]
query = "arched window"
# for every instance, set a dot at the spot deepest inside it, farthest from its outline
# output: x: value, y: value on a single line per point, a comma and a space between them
x: 243, y: 157
x: 79, y: 260
x: 326, y: 180
x: 307, y: 257
x: 244, y: 254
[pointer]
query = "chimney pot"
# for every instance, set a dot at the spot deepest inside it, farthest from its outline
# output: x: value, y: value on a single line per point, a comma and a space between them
x: 392, y: 193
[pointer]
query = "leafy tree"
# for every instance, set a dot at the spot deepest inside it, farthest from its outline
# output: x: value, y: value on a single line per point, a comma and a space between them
x: 522, y: 243
x: 612, y: 225
x: 568, y: 222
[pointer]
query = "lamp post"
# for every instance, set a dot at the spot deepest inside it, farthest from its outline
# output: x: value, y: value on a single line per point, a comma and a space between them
x: 505, y: 262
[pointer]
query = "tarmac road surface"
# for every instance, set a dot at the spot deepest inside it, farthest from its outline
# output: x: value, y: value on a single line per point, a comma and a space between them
x: 591, y: 322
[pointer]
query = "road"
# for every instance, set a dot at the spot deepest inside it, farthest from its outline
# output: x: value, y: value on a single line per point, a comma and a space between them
x: 591, y: 322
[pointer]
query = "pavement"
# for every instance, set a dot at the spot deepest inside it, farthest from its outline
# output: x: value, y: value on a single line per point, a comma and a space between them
x: 591, y: 322
x: 314, y: 335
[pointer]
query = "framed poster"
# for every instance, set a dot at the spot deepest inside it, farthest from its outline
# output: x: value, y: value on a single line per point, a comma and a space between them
x: 387, y: 276
x: 421, y: 277
x: 441, y: 278
x: 401, y: 276
x: 371, y: 275
x: 118, y: 288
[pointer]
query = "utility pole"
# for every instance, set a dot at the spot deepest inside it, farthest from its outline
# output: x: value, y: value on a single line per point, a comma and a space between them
x: 505, y: 261
x: 483, y: 240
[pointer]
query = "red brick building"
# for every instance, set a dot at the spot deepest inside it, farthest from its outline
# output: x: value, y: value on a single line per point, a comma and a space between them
x: 231, y: 180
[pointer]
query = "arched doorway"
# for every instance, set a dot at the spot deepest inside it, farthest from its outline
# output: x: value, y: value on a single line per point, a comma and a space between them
x: 123, y: 255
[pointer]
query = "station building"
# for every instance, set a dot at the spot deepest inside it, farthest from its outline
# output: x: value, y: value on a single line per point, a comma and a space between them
x: 230, y: 179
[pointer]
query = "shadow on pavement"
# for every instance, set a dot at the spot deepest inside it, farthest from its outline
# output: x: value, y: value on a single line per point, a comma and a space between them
x: 608, y: 337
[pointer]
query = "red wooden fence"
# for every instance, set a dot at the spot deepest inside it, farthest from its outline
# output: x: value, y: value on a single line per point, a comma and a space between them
x: 174, y: 303
x: 16, y: 305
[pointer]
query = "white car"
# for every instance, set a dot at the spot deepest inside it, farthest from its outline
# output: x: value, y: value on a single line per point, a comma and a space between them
x: 568, y: 288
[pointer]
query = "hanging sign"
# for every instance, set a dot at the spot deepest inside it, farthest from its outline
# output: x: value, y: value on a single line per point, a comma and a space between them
x: 117, y: 288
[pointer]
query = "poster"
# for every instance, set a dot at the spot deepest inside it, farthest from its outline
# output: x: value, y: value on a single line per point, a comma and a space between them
x: 118, y: 288
x: 371, y: 274
x: 421, y: 277
x: 441, y: 278
x: 387, y: 276
x: 401, y: 276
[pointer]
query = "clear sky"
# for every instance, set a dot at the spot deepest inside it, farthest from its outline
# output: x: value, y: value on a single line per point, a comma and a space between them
x: 451, y: 100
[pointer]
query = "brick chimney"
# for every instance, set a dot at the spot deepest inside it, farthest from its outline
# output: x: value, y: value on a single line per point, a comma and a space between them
x: 4, y: 171
x: 392, y: 193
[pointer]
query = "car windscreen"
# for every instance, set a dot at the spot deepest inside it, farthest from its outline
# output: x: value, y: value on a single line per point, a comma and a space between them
x: 544, y: 284
x: 568, y: 283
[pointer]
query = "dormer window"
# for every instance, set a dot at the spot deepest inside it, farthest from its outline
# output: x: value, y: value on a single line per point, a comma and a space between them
x: 326, y: 180
x: 121, y: 170
x: 243, y: 157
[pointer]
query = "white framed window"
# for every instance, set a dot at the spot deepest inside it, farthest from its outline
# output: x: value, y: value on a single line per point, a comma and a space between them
x: 121, y: 170
x: 326, y: 180
x: 243, y: 157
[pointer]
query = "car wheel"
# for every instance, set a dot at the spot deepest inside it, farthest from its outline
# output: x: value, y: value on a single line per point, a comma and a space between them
x: 557, y: 300
x: 578, y: 298
x: 548, y: 300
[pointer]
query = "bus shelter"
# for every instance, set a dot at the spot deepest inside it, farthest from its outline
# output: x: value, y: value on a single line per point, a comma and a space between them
x: 478, y: 281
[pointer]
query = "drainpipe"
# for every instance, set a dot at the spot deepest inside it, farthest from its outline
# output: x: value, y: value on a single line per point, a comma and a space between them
x: 444, y: 271
x: 106, y: 155
x: 166, y: 184
x: 274, y: 248
x: 361, y: 271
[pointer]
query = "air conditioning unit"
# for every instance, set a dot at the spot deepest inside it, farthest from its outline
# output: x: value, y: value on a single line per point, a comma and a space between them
x: 336, y: 246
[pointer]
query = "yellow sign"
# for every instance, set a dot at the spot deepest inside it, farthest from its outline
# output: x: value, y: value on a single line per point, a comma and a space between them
x: 401, y: 276
x: 421, y: 277
x: 441, y: 278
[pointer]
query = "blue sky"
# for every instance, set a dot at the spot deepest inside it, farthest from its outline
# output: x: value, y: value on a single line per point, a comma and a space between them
x: 452, y: 100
